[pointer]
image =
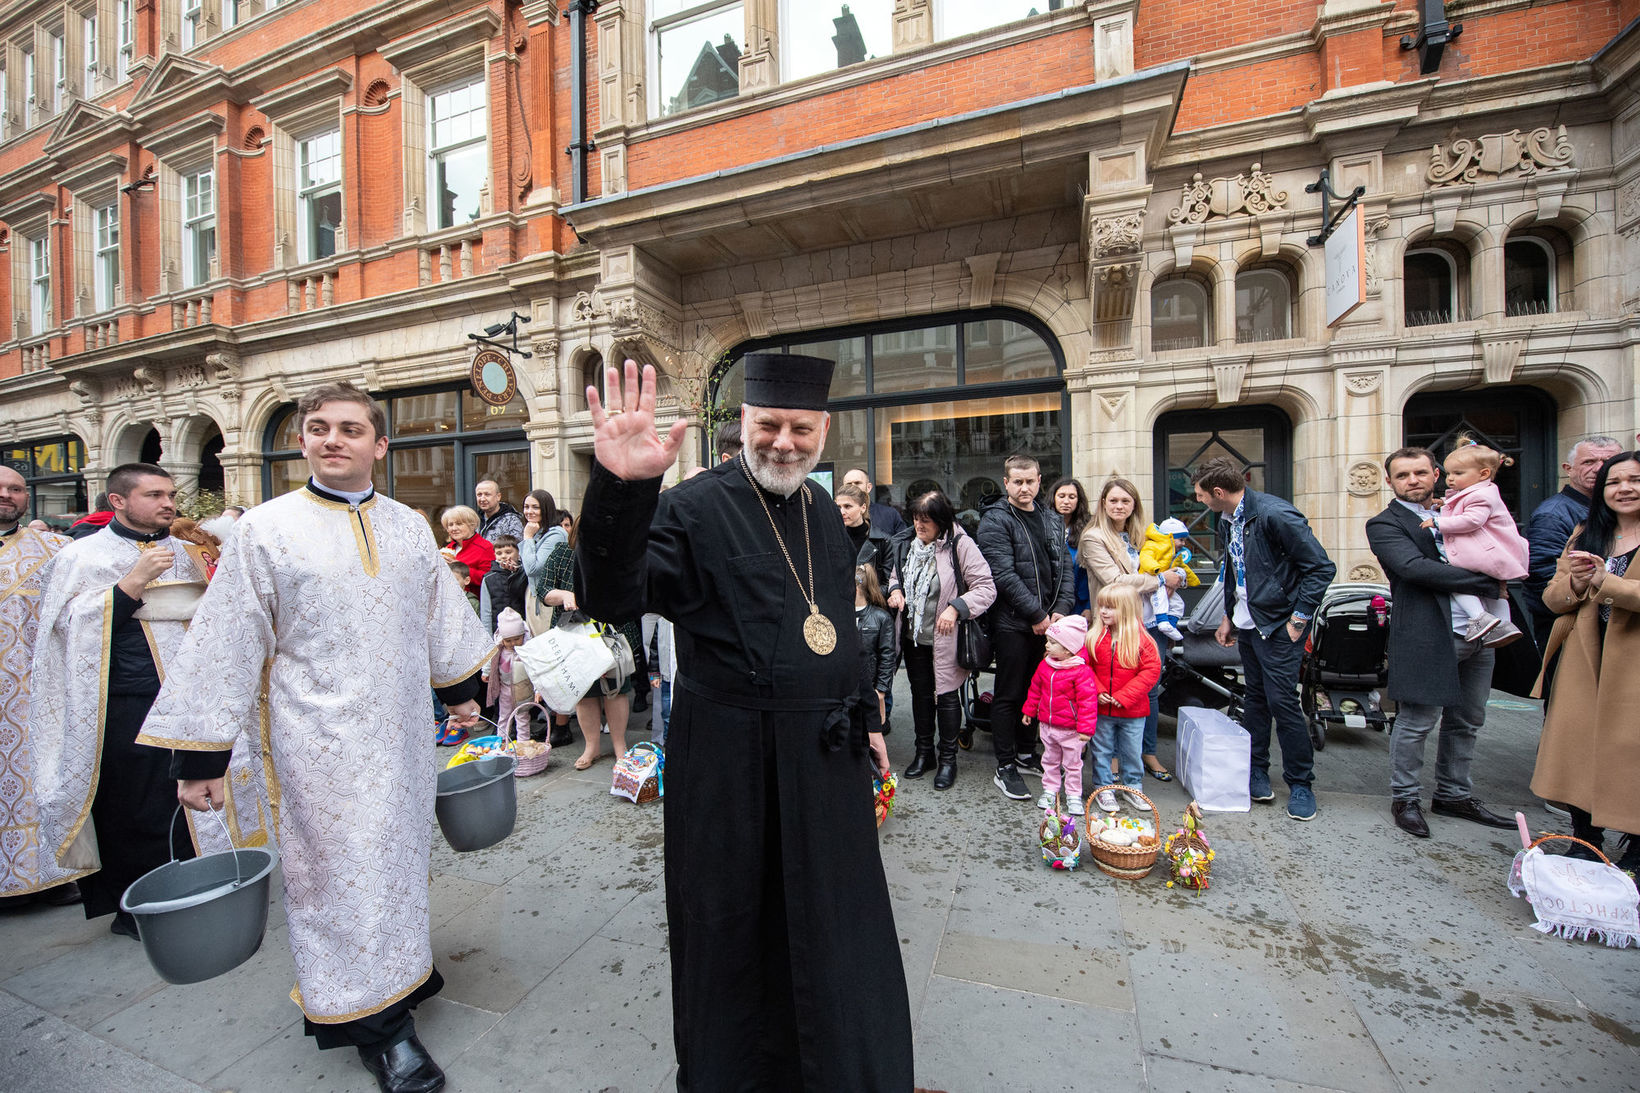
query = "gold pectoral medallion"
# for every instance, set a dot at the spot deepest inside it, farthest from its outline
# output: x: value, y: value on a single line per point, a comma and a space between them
x: 819, y: 632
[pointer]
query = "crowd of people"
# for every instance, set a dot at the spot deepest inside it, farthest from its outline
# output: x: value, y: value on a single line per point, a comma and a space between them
x: 734, y: 590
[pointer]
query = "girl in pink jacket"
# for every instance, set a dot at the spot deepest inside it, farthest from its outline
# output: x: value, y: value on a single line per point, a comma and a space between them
x: 1477, y: 532
x: 1065, y: 702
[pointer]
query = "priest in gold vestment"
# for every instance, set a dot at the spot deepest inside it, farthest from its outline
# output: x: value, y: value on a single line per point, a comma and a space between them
x: 115, y: 608
x: 329, y: 614
x: 27, y: 872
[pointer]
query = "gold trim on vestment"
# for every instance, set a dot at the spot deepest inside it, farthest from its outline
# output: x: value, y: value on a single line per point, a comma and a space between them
x: 6, y: 545
x: 153, y: 649
x: 485, y: 659
x: 102, y: 718
x: 31, y: 839
x: 270, y: 776
x: 153, y: 741
x: 296, y: 996
x: 364, y: 531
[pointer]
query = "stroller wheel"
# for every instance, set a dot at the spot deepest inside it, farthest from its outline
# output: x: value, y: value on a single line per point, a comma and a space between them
x: 965, y: 737
x: 1318, y: 735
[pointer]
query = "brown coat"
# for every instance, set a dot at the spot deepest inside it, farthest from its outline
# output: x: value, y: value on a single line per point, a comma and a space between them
x: 1590, y: 752
x: 1106, y: 560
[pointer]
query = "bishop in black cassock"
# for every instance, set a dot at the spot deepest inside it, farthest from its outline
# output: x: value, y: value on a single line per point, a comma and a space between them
x: 786, y: 970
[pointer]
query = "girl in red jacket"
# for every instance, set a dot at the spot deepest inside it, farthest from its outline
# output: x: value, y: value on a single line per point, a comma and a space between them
x: 1125, y: 668
x: 1064, y: 701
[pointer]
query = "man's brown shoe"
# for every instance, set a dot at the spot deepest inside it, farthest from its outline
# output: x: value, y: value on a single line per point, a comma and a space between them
x: 1409, y: 817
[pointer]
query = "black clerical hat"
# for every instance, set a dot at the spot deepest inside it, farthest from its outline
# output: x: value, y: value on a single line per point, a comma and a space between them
x: 787, y: 381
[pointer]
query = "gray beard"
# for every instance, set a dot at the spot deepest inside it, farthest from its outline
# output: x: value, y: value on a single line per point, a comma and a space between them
x: 782, y: 479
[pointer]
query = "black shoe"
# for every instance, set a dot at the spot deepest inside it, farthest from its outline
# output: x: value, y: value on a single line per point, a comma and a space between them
x: 1580, y: 852
x: 403, y: 1068
x: 124, y: 925
x: 1007, y: 779
x: 561, y: 738
x: 1409, y: 817
x: 946, y: 776
x: 921, y: 764
x: 1472, y: 810
x: 1029, y: 764
x: 1629, y: 862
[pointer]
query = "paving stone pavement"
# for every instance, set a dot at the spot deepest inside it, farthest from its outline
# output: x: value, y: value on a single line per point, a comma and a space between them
x: 1334, y: 955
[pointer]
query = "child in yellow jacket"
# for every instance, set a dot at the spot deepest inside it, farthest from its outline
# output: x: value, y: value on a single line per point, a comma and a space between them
x: 1165, y: 549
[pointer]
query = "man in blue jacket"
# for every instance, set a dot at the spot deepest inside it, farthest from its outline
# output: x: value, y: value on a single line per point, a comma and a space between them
x: 1274, y: 574
x: 1553, y: 521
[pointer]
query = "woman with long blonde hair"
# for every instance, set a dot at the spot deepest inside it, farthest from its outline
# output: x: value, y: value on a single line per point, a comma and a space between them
x: 1109, y: 552
x: 1125, y: 666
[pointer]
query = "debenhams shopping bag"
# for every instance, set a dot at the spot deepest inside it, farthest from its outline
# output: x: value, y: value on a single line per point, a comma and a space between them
x: 565, y: 661
x: 1215, y: 759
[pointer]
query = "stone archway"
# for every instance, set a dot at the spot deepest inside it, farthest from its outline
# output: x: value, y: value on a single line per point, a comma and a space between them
x: 191, y: 455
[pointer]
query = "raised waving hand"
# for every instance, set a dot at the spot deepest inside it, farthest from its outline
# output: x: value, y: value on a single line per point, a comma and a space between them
x: 626, y: 442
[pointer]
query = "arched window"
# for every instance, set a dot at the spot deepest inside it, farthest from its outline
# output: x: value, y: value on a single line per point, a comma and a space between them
x: 1528, y: 276
x: 1429, y: 286
x: 1181, y: 314
x: 936, y: 402
x: 1264, y: 305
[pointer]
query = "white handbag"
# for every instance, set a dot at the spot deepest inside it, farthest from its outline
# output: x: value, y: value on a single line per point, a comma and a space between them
x: 565, y: 662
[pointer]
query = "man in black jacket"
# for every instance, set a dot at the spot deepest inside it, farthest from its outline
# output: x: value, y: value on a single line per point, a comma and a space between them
x: 1274, y: 573
x: 1434, y: 674
x: 1024, y: 544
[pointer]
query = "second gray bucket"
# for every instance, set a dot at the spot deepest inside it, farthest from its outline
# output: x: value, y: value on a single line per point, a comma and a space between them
x: 477, y: 802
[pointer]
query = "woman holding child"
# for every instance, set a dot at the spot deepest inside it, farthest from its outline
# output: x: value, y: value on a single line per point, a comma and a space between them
x: 1109, y: 552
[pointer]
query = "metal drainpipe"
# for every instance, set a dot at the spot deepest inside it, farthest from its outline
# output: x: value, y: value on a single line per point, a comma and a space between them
x: 579, y: 144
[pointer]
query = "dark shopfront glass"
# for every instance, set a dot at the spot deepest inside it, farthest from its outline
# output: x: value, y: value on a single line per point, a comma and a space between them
x: 936, y: 402
x: 55, y: 473
x: 428, y: 464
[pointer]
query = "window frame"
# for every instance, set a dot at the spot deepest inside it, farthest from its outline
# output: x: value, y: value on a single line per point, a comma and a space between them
x: 691, y: 13
x: 72, y: 446
x: 1453, y: 297
x: 306, y: 243
x: 31, y: 87
x: 125, y: 34
x: 1551, y: 263
x: 1289, y: 311
x: 193, y: 229
x: 436, y: 153
x: 1208, y: 333
x: 39, y: 283
x: 106, y: 275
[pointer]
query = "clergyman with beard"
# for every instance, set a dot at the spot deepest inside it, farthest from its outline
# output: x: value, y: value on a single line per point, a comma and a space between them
x: 786, y: 968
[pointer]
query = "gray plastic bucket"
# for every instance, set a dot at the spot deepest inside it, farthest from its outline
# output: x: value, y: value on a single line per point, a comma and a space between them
x: 202, y: 917
x: 477, y: 802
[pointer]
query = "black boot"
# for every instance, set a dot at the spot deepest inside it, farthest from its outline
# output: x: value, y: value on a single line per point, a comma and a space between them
x: 950, y: 721
x: 922, y: 727
x: 1583, y: 828
x: 922, y: 763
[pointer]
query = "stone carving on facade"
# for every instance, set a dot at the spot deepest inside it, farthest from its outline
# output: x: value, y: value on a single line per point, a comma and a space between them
x: 190, y: 376
x: 224, y: 366
x: 1228, y: 379
x: 1375, y: 278
x: 1113, y: 235
x: 149, y: 381
x: 1248, y: 194
x: 1112, y: 403
x: 1362, y: 384
x: 1363, y: 478
x: 1367, y: 574
x: 1500, y: 357
x: 587, y: 308
x: 1500, y: 155
x: 1628, y: 206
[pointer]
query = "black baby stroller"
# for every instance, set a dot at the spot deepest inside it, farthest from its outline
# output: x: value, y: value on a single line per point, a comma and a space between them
x: 1199, y: 671
x: 1346, y: 661
x: 976, y: 710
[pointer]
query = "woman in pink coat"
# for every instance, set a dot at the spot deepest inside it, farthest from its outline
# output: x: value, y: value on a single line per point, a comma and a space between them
x: 922, y: 588
x: 1476, y: 532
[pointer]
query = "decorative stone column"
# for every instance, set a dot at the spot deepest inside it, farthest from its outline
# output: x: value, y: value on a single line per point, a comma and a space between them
x: 913, y: 24
x: 760, y: 63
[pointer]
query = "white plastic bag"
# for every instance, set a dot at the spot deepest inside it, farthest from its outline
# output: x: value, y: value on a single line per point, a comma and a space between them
x: 564, y: 662
x: 1215, y: 760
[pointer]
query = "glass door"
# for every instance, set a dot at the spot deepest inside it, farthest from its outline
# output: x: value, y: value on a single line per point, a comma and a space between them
x: 506, y: 463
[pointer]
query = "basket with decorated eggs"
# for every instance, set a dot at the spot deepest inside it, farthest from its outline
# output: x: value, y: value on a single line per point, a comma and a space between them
x: 1056, y: 834
x: 1122, y: 845
x: 882, y: 788
x: 1189, y: 856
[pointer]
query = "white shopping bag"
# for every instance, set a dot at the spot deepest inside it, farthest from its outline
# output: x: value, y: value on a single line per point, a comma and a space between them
x: 564, y: 662
x: 1215, y: 760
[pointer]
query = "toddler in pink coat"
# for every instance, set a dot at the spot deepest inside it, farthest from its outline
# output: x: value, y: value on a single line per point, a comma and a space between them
x: 1065, y: 701
x: 1477, y: 532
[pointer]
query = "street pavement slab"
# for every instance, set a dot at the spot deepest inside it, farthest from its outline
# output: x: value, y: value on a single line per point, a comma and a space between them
x: 1339, y: 954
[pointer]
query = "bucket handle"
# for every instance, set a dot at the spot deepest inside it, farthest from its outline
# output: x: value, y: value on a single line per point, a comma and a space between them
x: 171, y: 839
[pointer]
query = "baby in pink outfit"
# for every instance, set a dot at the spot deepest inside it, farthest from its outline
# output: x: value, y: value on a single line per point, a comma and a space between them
x: 1477, y: 532
x: 1065, y: 701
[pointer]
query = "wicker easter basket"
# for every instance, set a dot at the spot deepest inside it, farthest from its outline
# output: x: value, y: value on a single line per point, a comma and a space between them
x: 532, y: 754
x: 1128, y: 862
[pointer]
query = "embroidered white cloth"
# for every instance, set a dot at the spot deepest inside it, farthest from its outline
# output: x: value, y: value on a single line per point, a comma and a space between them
x: 322, y: 629
x: 70, y: 674
x: 1574, y: 898
x: 25, y: 560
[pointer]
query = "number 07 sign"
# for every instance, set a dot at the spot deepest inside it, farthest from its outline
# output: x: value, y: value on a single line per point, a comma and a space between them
x: 1346, y: 257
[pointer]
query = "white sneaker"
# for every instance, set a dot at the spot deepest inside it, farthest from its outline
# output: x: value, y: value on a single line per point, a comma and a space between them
x: 1480, y: 626
x: 1045, y: 801
x: 1106, y: 799
x: 1074, y: 805
x: 1137, y: 802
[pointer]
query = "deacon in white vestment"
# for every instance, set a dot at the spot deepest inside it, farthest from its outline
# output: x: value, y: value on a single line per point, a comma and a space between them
x: 330, y: 612
x: 26, y: 872
x: 114, y: 612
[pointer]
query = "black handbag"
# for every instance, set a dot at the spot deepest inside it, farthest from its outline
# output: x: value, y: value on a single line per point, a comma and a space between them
x: 973, y: 641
